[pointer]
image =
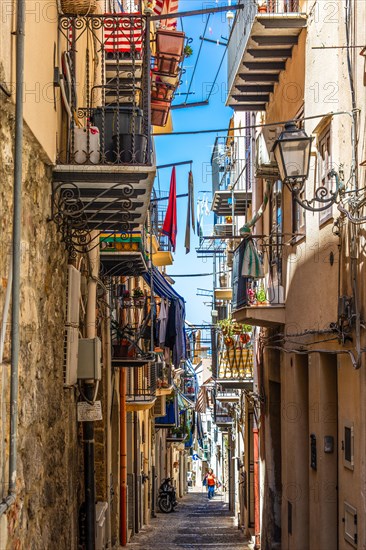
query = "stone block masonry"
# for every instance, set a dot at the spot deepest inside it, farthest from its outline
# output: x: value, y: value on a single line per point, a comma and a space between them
x: 46, y: 511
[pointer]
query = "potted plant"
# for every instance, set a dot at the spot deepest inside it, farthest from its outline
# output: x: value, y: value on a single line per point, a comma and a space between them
x: 126, y: 299
x: 262, y: 6
x: 261, y: 296
x: 138, y: 297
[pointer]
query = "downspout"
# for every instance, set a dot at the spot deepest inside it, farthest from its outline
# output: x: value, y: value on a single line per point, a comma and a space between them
x: 17, y: 226
x: 123, y: 457
x: 257, y: 544
x: 108, y: 364
x: 88, y: 427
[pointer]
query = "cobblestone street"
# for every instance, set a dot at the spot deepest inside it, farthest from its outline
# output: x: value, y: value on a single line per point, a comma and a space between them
x: 197, y: 523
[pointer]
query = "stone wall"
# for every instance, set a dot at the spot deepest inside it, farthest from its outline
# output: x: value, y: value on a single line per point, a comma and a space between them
x: 45, y: 514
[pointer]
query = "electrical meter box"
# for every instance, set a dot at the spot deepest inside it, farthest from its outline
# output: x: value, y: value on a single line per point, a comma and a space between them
x: 89, y: 360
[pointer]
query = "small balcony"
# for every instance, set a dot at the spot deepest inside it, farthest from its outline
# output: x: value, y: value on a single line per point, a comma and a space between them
x: 258, y: 302
x: 260, y: 44
x: 164, y: 381
x: 106, y: 167
x: 170, y: 419
x: 227, y: 396
x: 222, y: 418
x: 141, y: 388
x: 235, y: 365
x: 123, y: 253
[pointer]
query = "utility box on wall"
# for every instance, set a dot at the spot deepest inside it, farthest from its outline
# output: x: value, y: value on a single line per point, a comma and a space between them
x: 89, y: 360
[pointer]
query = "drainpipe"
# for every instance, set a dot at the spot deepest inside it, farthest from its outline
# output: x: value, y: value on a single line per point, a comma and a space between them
x: 257, y: 544
x: 123, y: 456
x: 108, y: 364
x: 89, y: 391
x: 17, y: 225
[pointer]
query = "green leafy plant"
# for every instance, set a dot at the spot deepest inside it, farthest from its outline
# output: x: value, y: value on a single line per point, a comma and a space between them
x: 138, y: 292
x: 187, y: 50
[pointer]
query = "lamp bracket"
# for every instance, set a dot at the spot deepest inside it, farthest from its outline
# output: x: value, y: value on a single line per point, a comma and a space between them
x: 322, y: 196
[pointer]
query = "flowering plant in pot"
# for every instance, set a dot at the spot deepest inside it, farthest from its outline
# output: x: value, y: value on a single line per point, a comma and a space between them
x: 126, y: 298
x: 138, y: 297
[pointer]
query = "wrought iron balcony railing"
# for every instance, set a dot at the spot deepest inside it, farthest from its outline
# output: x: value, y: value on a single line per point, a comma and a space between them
x: 141, y: 386
x: 164, y: 378
x: 106, y: 89
x: 258, y: 295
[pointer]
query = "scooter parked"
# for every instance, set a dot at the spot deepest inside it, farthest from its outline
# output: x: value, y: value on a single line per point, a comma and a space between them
x: 167, y: 500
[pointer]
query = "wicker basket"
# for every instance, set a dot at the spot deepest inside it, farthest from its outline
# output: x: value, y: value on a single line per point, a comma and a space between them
x: 78, y: 7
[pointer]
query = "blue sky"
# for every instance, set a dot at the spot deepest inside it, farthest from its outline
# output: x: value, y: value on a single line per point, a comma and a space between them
x: 198, y: 148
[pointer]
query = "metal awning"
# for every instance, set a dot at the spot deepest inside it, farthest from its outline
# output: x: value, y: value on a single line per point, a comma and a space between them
x: 103, y: 197
x: 127, y: 263
x: 222, y: 202
x: 268, y: 45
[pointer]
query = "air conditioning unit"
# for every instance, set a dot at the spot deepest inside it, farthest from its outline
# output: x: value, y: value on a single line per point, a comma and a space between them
x: 159, y: 408
x: 265, y: 164
x: 71, y: 338
x: 71, y: 350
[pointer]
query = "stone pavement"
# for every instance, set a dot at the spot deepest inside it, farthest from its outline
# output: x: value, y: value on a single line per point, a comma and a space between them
x: 197, y: 524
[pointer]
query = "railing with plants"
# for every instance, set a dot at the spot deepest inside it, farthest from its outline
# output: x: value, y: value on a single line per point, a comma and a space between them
x: 235, y: 350
x: 163, y: 374
x: 171, y: 47
x: 105, y: 88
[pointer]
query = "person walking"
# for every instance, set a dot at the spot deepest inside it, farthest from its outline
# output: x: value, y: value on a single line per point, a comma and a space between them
x: 211, y: 482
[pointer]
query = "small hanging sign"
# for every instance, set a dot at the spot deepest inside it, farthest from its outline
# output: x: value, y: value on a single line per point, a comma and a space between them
x: 88, y: 412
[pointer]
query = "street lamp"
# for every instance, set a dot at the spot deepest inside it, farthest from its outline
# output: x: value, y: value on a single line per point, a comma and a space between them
x: 292, y: 152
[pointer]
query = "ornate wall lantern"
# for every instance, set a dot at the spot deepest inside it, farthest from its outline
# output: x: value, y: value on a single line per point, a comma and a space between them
x: 292, y: 152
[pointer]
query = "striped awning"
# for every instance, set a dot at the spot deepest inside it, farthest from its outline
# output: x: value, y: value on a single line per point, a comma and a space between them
x: 123, y: 34
x: 252, y: 264
x: 163, y: 7
x: 202, y: 401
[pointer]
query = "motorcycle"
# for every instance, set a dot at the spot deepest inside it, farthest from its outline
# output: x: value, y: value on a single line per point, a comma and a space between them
x: 167, y: 500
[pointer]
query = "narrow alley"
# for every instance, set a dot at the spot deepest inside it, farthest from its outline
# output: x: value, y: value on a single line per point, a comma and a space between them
x: 196, y: 523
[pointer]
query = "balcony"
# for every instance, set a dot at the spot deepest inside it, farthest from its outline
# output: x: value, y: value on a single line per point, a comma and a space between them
x: 164, y: 381
x: 226, y: 202
x: 141, y: 388
x: 169, y: 420
x: 222, y: 418
x: 162, y: 252
x: 123, y: 254
x: 227, y: 396
x: 260, y: 45
x: 258, y: 302
x: 235, y: 364
x: 105, y: 167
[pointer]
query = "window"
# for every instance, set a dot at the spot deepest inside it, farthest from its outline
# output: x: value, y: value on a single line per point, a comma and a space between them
x: 350, y: 524
x: 298, y: 215
x: 348, y: 446
x: 324, y: 167
x: 276, y: 230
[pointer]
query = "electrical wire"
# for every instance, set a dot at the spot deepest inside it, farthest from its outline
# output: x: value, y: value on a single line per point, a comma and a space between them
x: 252, y: 126
x: 197, y: 59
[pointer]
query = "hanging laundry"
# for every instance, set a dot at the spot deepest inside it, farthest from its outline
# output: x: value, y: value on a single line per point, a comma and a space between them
x: 170, y: 222
x: 252, y: 264
x: 190, y: 213
x: 163, y: 320
x: 171, y: 329
x: 207, y: 209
